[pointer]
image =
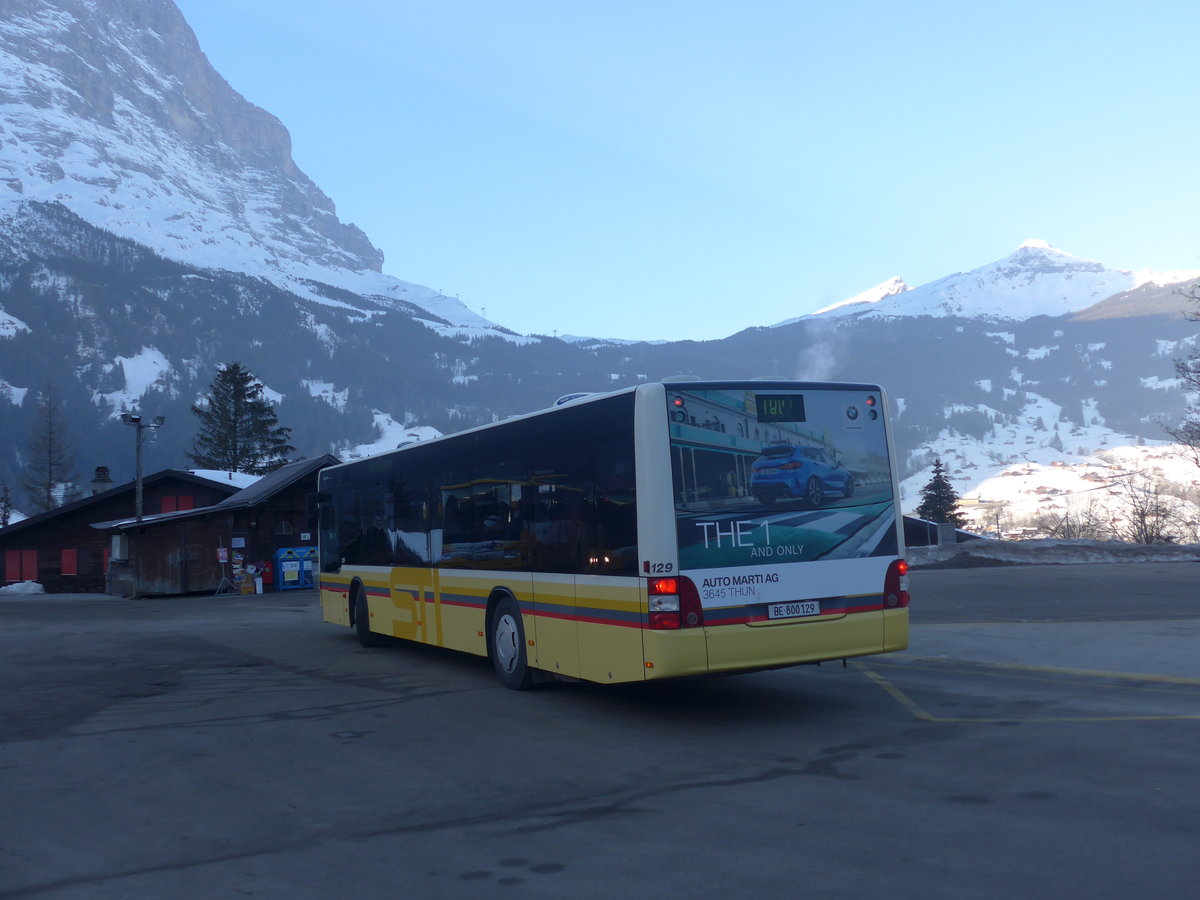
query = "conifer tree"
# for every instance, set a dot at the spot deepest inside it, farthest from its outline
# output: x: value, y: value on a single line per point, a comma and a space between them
x: 49, y: 471
x: 939, y: 500
x: 239, y: 431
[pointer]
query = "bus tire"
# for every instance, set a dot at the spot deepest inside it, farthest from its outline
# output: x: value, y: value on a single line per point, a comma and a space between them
x: 362, y: 621
x: 506, y: 646
x: 813, y: 492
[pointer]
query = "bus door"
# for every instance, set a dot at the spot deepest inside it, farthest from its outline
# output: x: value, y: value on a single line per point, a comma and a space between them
x: 558, y: 538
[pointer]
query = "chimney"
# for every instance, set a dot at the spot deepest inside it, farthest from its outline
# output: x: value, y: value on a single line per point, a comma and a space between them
x: 101, y: 481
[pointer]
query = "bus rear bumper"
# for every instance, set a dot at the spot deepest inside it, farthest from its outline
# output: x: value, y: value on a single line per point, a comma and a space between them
x: 734, y: 647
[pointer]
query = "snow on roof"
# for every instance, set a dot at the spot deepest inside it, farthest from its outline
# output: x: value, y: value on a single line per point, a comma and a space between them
x: 240, y: 480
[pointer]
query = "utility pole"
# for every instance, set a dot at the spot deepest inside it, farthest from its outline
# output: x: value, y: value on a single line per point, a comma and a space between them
x: 135, y: 420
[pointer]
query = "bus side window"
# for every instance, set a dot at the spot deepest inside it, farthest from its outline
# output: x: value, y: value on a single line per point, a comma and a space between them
x: 615, y: 550
x: 409, y: 522
x: 331, y: 560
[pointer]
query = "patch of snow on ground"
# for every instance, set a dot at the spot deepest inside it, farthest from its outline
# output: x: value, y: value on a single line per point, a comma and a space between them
x: 272, y: 397
x: 142, y: 372
x: 323, y: 390
x: 12, y: 393
x: 11, y: 326
x: 1155, y: 383
x: 392, y: 434
x: 23, y: 587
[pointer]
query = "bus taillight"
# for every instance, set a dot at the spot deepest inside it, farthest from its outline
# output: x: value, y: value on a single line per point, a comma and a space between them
x: 674, y: 604
x: 895, y: 585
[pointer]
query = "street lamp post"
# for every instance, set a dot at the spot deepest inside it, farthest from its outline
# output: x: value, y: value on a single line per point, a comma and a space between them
x: 135, y: 420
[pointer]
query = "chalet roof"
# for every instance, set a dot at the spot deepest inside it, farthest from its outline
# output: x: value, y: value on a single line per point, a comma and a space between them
x: 259, y: 492
x: 127, y: 487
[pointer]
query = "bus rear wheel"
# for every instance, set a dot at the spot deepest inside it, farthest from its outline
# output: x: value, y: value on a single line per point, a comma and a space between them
x: 506, y: 646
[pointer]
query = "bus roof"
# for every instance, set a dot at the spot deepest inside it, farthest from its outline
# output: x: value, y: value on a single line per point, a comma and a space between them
x: 673, y: 383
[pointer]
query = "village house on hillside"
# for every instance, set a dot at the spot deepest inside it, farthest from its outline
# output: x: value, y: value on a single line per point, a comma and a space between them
x: 60, y: 550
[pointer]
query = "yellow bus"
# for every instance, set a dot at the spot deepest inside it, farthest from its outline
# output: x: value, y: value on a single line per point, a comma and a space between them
x: 671, y: 529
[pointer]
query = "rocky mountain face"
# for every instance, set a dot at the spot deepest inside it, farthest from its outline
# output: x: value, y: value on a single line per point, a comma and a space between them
x: 112, y: 109
x: 153, y: 226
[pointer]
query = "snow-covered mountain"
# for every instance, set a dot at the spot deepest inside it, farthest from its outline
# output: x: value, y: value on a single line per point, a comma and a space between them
x: 1034, y: 280
x: 111, y: 109
x: 153, y: 225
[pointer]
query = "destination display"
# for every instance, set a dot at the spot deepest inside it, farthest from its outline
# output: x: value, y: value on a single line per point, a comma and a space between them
x: 779, y: 407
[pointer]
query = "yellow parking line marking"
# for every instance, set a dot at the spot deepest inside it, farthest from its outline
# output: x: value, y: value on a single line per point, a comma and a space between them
x: 923, y: 715
x: 902, y: 698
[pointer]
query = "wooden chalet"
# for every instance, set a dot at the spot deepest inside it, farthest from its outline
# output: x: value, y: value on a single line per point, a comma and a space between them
x: 60, y: 550
x: 204, y: 550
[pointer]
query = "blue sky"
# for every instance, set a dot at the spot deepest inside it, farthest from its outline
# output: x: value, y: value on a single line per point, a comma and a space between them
x: 670, y: 170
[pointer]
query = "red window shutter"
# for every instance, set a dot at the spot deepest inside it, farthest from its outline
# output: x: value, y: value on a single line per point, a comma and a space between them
x: 12, y: 565
x: 168, y: 504
x: 106, y: 552
x: 70, y: 562
x: 187, y: 503
x: 29, y: 570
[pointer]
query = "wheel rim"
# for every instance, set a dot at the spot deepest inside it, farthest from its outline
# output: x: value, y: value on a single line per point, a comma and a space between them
x: 504, y: 641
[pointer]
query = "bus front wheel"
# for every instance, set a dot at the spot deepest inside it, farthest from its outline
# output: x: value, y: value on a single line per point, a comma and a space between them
x: 507, y: 646
x: 362, y: 621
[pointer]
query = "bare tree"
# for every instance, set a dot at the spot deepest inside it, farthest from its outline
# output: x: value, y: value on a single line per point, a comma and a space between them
x: 1149, y: 513
x: 1085, y: 518
x: 49, y: 472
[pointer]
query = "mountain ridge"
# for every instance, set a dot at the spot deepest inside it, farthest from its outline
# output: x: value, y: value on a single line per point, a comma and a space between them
x: 1035, y: 279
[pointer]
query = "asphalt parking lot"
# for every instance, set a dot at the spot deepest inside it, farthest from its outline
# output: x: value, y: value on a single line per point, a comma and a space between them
x: 1037, y: 740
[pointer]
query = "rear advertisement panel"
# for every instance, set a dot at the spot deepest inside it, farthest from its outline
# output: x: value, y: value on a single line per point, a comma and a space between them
x: 767, y: 477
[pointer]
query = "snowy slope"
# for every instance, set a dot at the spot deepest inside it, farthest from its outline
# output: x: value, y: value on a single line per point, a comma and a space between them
x: 886, y: 289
